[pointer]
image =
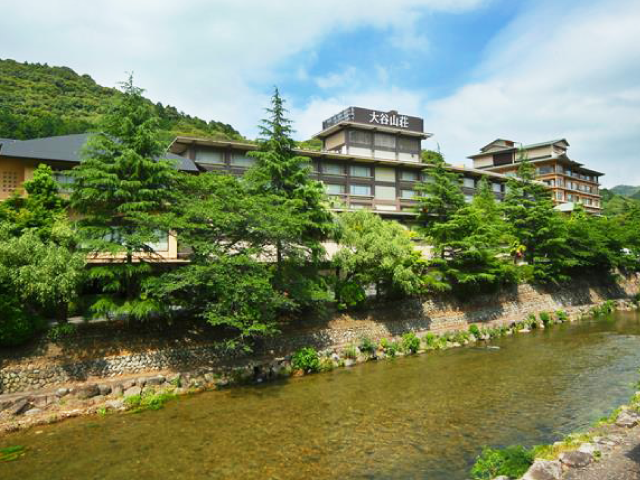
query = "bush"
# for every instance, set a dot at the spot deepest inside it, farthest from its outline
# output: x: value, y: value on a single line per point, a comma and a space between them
x: 430, y: 340
x: 474, y: 330
x: 368, y: 346
x: 561, y: 316
x: 16, y: 326
x: 389, y: 347
x: 350, y: 352
x: 545, y: 318
x: 306, y: 359
x: 410, y: 343
x: 61, y: 331
x: 350, y: 295
x: 140, y: 403
x: 512, y: 462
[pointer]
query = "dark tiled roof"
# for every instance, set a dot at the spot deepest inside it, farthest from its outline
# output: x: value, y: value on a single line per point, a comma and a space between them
x: 67, y: 148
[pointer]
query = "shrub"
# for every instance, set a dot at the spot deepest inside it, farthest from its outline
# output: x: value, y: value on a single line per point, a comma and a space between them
x: 351, y: 352
x: 16, y: 325
x: 562, y: 316
x: 430, y: 340
x: 368, y: 346
x: 474, y: 330
x: 461, y: 337
x: 58, y: 332
x: 350, y: 295
x: 389, y: 347
x: 306, y: 359
x: 545, y: 318
x: 511, y: 461
x: 410, y: 343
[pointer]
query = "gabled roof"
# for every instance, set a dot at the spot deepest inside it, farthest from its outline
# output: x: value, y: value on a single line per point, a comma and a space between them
x: 515, y: 148
x: 67, y: 148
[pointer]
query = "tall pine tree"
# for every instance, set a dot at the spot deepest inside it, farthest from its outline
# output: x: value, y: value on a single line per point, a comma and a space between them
x: 283, y: 176
x: 119, y: 190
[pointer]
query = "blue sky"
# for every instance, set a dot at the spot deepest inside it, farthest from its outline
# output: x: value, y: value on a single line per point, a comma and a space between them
x: 528, y: 70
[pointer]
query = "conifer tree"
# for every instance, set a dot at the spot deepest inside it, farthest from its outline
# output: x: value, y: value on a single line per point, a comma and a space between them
x: 440, y: 198
x: 283, y: 175
x: 119, y: 190
x: 539, y: 231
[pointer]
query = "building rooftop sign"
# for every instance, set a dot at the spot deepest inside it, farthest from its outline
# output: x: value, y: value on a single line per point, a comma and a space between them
x: 391, y: 119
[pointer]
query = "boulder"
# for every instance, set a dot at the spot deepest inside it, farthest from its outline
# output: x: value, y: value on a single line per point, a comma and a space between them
x: 117, y: 390
x: 33, y: 411
x: 627, y: 419
x: 87, y: 391
x: 576, y: 459
x: 104, y: 389
x: 349, y: 362
x: 61, y: 392
x: 131, y: 391
x: 19, y: 406
x: 159, y: 380
x: 544, y: 470
x: 114, y: 404
x: 589, y: 448
x: 127, y: 384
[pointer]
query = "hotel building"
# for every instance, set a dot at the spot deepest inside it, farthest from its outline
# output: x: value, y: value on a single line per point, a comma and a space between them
x: 571, y: 182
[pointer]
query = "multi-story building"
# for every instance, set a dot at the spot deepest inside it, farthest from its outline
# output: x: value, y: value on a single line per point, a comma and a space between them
x: 571, y: 182
x: 369, y: 159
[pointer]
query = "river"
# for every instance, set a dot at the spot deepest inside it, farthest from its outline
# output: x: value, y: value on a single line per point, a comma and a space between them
x: 423, y: 417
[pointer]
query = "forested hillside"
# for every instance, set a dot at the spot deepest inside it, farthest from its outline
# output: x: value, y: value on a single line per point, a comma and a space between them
x: 37, y: 100
x: 627, y: 191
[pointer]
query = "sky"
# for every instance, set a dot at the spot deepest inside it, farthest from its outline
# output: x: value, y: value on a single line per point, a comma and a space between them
x: 475, y: 70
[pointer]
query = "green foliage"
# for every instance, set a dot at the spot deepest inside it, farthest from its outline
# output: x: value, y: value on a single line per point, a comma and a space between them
x: 10, y: 454
x: 351, y: 352
x: 17, y: 326
x: 410, y: 343
x: 474, y: 330
x: 44, y: 276
x: 119, y: 191
x: 374, y: 252
x: 61, y: 331
x: 154, y: 401
x: 41, y: 209
x: 562, y: 316
x: 512, y: 462
x: 41, y: 101
x: 282, y: 176
x: 430, y: 340
x: 389, y: 347
x: 306, y: 359
x: 349, y: 294
x: 545, y: 318
x: 431, y: 156
x: 367, y: 346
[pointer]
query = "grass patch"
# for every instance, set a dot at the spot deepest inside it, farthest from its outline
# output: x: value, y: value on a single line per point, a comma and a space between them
x: 10, y: 454
x: 140, y: 403
x: 568, y: 444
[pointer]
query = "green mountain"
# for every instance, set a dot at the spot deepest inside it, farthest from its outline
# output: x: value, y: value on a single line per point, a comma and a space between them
x: 614, y: 203
x: 37, y: 100
x: 626, y: 191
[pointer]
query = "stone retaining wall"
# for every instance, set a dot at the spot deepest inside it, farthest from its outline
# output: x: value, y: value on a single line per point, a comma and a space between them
x: 390, y: 320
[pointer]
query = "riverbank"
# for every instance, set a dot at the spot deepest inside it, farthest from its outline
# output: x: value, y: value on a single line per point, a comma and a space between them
x: 610, y: 450
x: 20, y: 411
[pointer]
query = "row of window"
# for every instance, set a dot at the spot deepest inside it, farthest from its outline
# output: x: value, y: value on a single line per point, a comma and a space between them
x: 384, y: 140
x: 544, y: 170
x: 216, y: 157
x: 571, y: 185
x: 570, y: 197
x: 381, y: 192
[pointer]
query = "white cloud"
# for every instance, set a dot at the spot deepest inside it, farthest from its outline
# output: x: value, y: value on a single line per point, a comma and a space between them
x: 214, y: 59
x: 337, y: 79
x: 556, y: 72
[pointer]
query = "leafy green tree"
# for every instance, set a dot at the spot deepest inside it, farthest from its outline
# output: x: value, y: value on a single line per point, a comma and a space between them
x: 45, y: 274
x: 376, y: 252
x: 229, y: 280
x: 119, y: 191
x: 431, y: 156
x: 283, y: 175
x: 41, y: 208
x: 538, y: 229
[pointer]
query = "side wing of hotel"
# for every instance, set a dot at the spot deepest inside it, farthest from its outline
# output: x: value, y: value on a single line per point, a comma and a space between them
x: 369, y: 160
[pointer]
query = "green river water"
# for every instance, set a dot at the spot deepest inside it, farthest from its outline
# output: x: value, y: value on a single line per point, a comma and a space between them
x: 422, y: 417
